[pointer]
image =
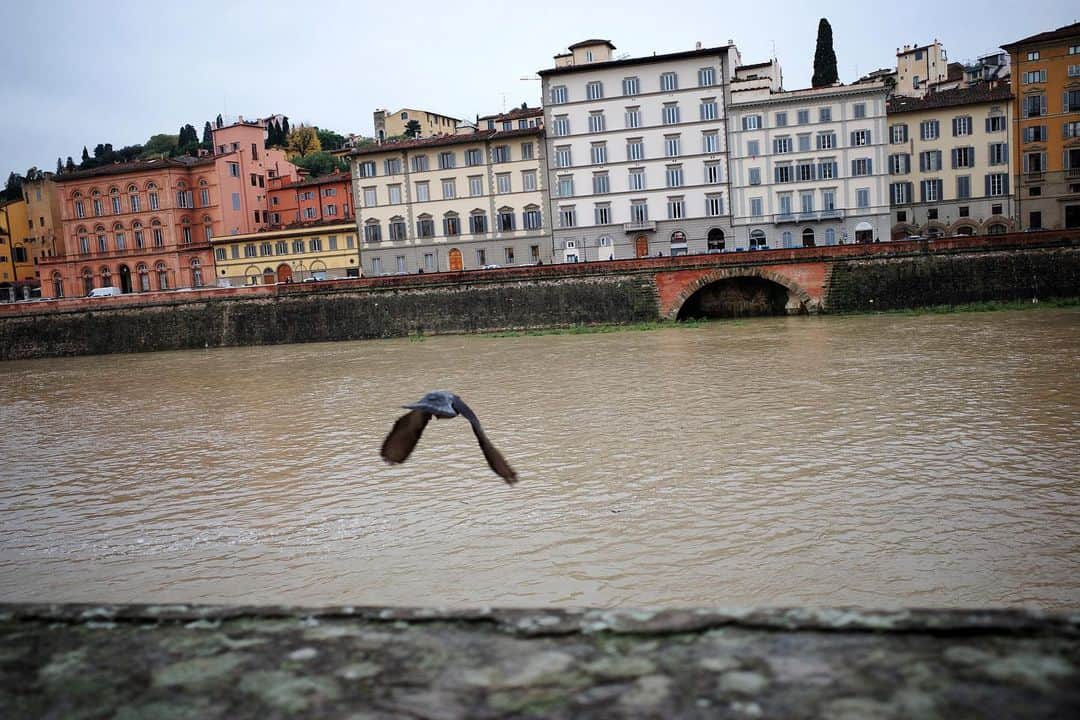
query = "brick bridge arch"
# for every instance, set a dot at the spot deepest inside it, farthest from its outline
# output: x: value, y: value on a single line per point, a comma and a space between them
x: 677, y: 288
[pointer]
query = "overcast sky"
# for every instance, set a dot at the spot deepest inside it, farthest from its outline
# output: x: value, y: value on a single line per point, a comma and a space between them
x: 81, y: 73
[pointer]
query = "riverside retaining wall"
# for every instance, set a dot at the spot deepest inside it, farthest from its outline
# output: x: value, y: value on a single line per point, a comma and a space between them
x: 127, y: 662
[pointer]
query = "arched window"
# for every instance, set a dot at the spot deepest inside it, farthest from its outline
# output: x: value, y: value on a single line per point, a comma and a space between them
x: 204, y: 193
x: 144, y: 277
x: 58, y: 285
x: 136, y: 230
x: 196, y: 273
x: 678, y: 243
x: 757, y: 239
x: 185, y: 230
x: 208, y: 227
x: 162, y: 276
x: 425, y: 226
x: 531, y: 218
x: 114, y: 200
x: 269, y: 276
x: 84, y: 240
x: 158, y: 232
x: 87, y: 281
x: 152, y: 194
x: 808, y: 237
x: 95, y: 201
x: 997, y: 229
x: 603, y: 241
x: 133, y: 198
x: 830, y: 236
x: 251, y: 275
x: 397, y: 228
x: 785, y: 238
x: 106, y: 277
x: 77, y: 203
x: 716, y: 240
x: 372, y: 231
x: 102, y: 240
x: 118, y: 236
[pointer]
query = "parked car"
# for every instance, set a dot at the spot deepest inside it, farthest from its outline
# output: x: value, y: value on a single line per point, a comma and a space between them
x: 105, y: 292
x: 491, y: 266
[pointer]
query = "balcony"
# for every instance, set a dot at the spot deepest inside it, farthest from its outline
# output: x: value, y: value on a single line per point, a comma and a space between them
x: 639, y: 226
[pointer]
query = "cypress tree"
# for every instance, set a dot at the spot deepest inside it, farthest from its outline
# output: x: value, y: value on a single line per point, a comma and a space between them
x: 220, y: 123
x: 207, y: 136
x: 824, y: 57
x: 59, y: 166
x: 285, y: 130
x: 85, y: 154
x: 70, y: 165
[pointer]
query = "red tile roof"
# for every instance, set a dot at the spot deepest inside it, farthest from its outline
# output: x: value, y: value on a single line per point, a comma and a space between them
x: 1068, y: 31
x: 645, y: 60
x: 981, y: 93
x: 184, y: 161
x: 442, y: 140
x: 594, y: 41
x: 321, y: 180
x: 516, y: 113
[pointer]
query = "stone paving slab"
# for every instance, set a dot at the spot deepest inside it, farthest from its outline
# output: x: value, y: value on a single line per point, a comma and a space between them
x: 184, y: 661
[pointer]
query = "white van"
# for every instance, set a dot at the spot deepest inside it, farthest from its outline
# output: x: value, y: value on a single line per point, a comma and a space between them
x: 105, y: 292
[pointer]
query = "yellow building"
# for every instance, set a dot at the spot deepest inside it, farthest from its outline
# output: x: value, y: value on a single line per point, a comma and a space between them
x: 393, y: 124
x: 324, y: 251
x: 18, y: 264
x: 46, y: 237
x: 1046, y: 86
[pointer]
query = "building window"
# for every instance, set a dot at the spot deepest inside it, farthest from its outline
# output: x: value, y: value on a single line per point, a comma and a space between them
x: 370, y: 197
x: 669, y: 82
x: 804, y: 142
x: 859, y: 110
x: 995, y: 123
x: 753, y: 148
x: 473, y: 156
x: 505, y: 219
x: 899, y: 164
x: 961, y: 126
x: 672, y: 146
x: 758, y: 240
x: 931, y: 190
x: 755, y: 207
x: 528, y: 180
x: 419, y: 163
x: 963, y: 157
x: 803, y: 117
x: 674, y: 176
x: 532, y: 218
x: 602, y: 213
x: 635, y: 149
x: 804, y: 171
x: 630, y: 86
x: 372, y: 233
x: 1035, y: 106
x: 376, y: 266
x: 755, y: 176
x: 860, y: 138
x: 963, y: 187
x: 706, y: 77
x: 780, y: 119
x: 712, y: 173
x: 425, y: 226
x: 565, y: 186
x: 1035, y: 133
x: 783, y: 174
x: 862, y: 166
x: 676, y: 208
x: 451, y: 225
x: 477, y: 222
x: 601, y: 185
x: 1034, y: 76
x: 827, y: 170
x: 708, y: 109
x: 560, y: 125
x: 596, y: 122
x: 558, y: 94
x: 449, y: 189
x: 633, y: 117
x: 527, y: 151
x: 446, y: 161
x: 929, y: 130
x: 826, y: 141
x: 999, y: 153
x: 393, y: 195
x: 562, y: 156
x: 397, y: 228
x: 476, y: 185
x: 997, y: 184
x: 392, y: 166
x: 598, y: 153
x: 862, y: 198
x: 782, y: 145
x: 710, y: 141
x: 898, y: 134
x: 714, y: 205
x: 639, y: 212
x: 751, y: 122
x: 825, y: 114
x: 594, y: 90
x: 636, y: 179
x: 423, y: 191
x: 281, y: 247
x: 567, y: 217
x: 670, y: 114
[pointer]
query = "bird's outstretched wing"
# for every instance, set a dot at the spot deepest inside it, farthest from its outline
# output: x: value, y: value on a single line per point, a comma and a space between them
x: 495, y: 459
x: 404, y: 436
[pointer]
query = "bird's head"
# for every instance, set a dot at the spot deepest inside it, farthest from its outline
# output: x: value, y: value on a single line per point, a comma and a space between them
x: 439, y: 403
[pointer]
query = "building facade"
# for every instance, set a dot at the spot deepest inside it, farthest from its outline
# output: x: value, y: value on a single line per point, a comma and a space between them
x: 1046, y: 105
x: 393, y: 124
x: 18, y: 263
x: 321, y: 251
x: 920, y: 66
x: 453, y: 202
x: 147, y: 225
x: 637, y: 151
x: 949, y: 162
x: 323, y: 199
x: 43, y: 214
x: 808, y: 166
x: 520, y: 118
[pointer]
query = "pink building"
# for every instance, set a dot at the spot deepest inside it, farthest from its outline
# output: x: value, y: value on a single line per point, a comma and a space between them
x: 146, y: 225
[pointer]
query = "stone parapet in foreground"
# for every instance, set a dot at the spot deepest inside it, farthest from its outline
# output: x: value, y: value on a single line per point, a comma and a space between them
x: 180, y: 661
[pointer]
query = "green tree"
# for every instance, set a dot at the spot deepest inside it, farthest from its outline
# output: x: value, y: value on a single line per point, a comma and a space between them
x: 824, y: 57
x: 284, y: 129
x: 412, y: 129
x: 69, y: 166
x: 330, y: 140
x: 188, y: 141
x: 219, y: 122
x: 85, y: 155
x: 320, y: 163
x: 59, y: 166
x: 13, y: 187
x: 303, y: 141
x: 159, y: 145
x: 207, y: 137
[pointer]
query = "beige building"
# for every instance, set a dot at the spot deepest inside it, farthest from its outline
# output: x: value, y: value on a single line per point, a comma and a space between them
x: 920, y: 66
x: 393, y: 124
x: 323, y: 251
x: 949, y: 161
x: 46, y: 237
x: 455, y: 202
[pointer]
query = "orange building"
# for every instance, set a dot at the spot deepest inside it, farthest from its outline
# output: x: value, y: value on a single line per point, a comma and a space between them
x: 146, y: 225
x: 320, y: 199
x: 1046, y: 85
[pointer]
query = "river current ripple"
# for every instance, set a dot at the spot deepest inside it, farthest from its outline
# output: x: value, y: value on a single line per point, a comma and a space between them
x: 872, y: 460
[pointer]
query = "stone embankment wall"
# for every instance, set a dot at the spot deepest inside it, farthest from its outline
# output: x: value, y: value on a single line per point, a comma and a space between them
x: 178, y: 661
x: 311, y: 315
x: 952, y: 279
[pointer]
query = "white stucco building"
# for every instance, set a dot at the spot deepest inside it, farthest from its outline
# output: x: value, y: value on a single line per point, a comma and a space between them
x: 637, y: 151
x: 808, y: 167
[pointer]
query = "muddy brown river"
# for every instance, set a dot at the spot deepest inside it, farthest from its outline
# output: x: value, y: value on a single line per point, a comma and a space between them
x: 868, y: 460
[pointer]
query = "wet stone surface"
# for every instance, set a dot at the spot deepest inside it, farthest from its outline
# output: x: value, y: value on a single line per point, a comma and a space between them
x: 73, y: 661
